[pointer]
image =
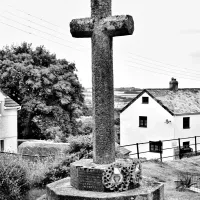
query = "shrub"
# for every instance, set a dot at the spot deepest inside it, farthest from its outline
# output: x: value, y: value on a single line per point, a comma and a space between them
x: 117, y: 121
x: 81, y: 145
x: 36, y: 170
x: 185, y: 182
x: 87, y: 111
x: 13, y: 181
x: 50, y: 170
x: 59, y: 171
x: 87, y: 124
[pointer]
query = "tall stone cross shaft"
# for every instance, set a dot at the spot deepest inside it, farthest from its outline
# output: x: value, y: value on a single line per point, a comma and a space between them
x: 102, y: 27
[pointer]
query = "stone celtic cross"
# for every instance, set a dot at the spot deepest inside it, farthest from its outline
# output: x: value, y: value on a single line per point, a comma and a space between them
x: 102, y: 27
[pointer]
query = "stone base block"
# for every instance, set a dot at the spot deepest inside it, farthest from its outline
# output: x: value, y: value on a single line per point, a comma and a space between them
x: 62, y: 190
x: 86, y: 175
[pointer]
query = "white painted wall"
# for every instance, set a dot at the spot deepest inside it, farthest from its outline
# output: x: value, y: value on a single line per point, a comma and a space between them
x: 8, y: 126
x: 2, y: 97
x: 157, y: 129
x: 194, y: 129
x: 10, y: 145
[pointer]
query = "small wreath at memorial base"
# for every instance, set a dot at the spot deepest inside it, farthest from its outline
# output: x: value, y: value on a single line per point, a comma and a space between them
x: 121, y: 177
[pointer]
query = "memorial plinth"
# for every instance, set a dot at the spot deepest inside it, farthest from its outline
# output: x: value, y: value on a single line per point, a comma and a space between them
x: 62, y: 190
x: 121, y: 175
x: 90, y: 181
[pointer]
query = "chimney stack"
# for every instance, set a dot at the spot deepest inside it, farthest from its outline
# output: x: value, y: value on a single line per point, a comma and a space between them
x: 173, y: 85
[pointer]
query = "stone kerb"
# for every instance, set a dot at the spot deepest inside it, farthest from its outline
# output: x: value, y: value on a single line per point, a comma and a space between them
x: 62, y: 190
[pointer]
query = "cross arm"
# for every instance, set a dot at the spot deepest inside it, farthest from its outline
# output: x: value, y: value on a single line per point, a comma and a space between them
x: 82, y: 28
x: 118, y: 25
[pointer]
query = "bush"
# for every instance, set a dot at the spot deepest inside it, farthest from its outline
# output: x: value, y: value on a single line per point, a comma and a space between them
x: 81, y: 144
x: 80, y: 147
x: 86, y: 126
x: 36, y: 170
x: 13, y: 181
x: 185, y: 182
x: 87, y: 111
x: 117, y: 121
x: 59, y: 171
x: 45, y: 172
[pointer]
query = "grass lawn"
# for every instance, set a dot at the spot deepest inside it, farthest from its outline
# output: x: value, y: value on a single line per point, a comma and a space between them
x: 167, y: 173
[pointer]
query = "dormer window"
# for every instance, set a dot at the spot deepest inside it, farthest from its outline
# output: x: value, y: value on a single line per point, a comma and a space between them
x: 145, y: 100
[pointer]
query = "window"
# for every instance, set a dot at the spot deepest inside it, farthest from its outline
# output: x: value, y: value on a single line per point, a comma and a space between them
x: 142, y: 121
x: 155, y: 147
x: 2, y: 145
x: 186, y: 122
x: 186, y: 145
x: 145, y: 100
x: 186, y: 148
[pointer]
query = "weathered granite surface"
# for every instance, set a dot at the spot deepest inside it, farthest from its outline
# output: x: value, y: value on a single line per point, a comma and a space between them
x: 86, y: 175
x: 102, y: 27
x: 62, y: 190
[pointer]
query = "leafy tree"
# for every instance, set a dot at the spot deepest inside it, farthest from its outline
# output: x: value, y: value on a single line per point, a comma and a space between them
x: 47, y: 88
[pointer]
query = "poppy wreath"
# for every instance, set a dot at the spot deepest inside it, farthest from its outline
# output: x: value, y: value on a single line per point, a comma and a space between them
x: 121, y: 177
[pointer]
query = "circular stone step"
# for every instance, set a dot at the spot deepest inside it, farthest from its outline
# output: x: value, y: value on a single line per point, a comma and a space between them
x: 62, y: 190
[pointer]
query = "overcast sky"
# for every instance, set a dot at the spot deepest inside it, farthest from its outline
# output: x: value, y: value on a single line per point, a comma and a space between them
x: 165, y: 42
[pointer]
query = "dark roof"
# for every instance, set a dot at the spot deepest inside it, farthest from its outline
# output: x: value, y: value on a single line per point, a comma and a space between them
x: 9, y: 103
x: 124, y: 151
x: 183, y: 101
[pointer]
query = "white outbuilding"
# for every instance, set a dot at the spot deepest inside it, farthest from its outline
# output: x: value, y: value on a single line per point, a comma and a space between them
x: 8, y: 123
x: 161, y: 114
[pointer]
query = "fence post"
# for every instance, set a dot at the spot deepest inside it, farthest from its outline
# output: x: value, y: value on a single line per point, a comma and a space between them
x: 161, y: 151
x: 195, y: 145
x: 138, y: 153
x: 179, y: 147
x: 161, y: 156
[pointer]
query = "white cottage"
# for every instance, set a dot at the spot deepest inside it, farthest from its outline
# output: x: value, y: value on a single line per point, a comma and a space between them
x: 8, y: 123
x: 161, y: 114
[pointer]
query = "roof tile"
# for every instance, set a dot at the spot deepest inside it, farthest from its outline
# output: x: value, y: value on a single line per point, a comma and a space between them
x: 183, y: 101
x: 186, y: 100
